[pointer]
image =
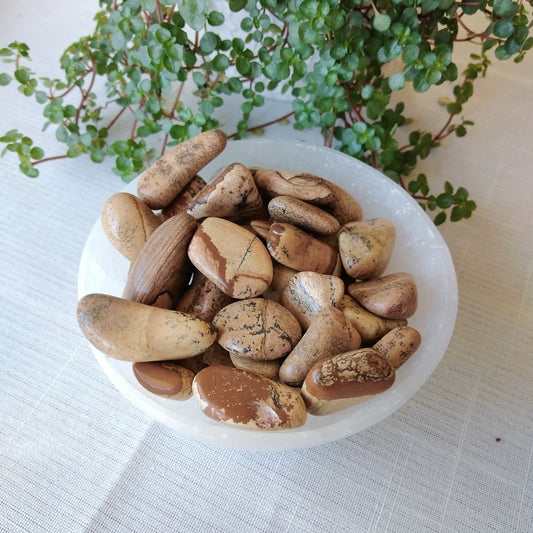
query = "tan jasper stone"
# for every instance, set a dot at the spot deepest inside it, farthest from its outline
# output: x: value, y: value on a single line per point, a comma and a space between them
x: 165, y: 378
x: 306, y: 293
x: 166, y: 178
x: 232, y: 195
x: 302, y: 214
x: 392, y: 296
x: 131, y: 331
x: 268, y: 369
x: 303, y: 186
x: 247, y: 400
x: 257, y: 328
x: 161, y: 272
x: 232, y: 257
x: 202, y: 298
x: 127, y: 223
x: 296, y: 249
x: 184, y: 198
x: 344, y: 207
x: 329, y: 333
x: 398, y: 345
x: 371, y: 327
x: 345, y: 380
x: 366, y: 247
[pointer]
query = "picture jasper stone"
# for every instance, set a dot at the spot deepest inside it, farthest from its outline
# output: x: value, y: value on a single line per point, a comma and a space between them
x: 161, y: 271
x: 298, y: 250
x: 131, y: 331
x: 345, y: 380
x: 392, y: 296
x: 398, y: 345
x: 181, y: 203
x: 232, y: 257
x: 128, y: 223
x: 233, y: 195
x: 257, y: 328
x: 366, y: 247
x: 244, y: 399
x: 165, y: 378
x: 165, y: 179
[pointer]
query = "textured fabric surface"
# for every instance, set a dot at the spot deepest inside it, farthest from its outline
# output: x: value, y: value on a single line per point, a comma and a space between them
x: 75, y: 456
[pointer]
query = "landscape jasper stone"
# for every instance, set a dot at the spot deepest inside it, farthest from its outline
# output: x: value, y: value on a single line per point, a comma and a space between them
x: 366, y: 247
x: 392, y: 296
x: 165, y: 378
x: 296, y: 249
x: 165, y: 179
x: 329, y: 333
x: 257, y: 328
x: 280, y: 278
x: 244, y: 399
x: 161, y: 271
x: 232, y: 257
x: 268, y: 369
x: 306, y: 216
x: 301, y: 185
x: 128, y: 222
x: 370, y: 326
x: 344, y: 207
x: 346, y: 380
x: 305, y: 293
x: 398, y: 345
x: 202, y: 298
x: 216, y: 355
x: 261, y: 227
x: 181, y: 203
x: 134, y: 332
x: 232, y: 195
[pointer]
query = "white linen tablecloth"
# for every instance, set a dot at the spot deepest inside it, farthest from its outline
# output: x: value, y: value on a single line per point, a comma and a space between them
x: 76, y: 456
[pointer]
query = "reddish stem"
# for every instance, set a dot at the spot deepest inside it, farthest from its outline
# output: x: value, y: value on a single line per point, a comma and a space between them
x: 254, y: 128
x: 48, y: 159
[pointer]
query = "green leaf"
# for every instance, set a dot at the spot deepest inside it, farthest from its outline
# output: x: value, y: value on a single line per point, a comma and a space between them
x: 243, y: 66
x: 199, y: 78
x: 444, y: 200
x: 215, y: 18
x: 396, y: 81
x: 381, y: 22
x: 36, y: 153
x: 27, y: 168
x: 5, y: 52
x: 410, y: 53
x: 22, y: 75
x: 74, y: 151
x: 220, y: 63
x: 439, y: 218
x: 118, y: 39
x: 5, y: 79
x: 97, y: 155
x: 503, y: 28
x: 237, y: 5
x: 208, y: 43
x: 503, y: 7
x: 193, y: 12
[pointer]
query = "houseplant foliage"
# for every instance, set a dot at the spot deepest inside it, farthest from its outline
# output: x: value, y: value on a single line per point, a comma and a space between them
x: 333, y: 58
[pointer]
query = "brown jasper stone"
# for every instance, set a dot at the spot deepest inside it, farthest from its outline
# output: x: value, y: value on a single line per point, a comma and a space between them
x: 232, y: 257
x: 296, y: 249
x: 261, y: 227
x: 303, y: 186
x: 345, y: 380
x: 161, y: 272
x: 246, y: 400
x: 127, y: 223
x: 371, y: 327
x: 216, y: 355
x: 165, y: 179
x: 202, y: 298
x: 194, y: 363
x: 268, y: 369
x: 307, y: 292
x: 165, y: 378
x: 233, y: 195
x: 329, y: 333
x: 184, y: 198
x: 392, y: 296
x: 281, y: 277
x: 258, y: 328
x: 306, y: 216
x: 366, y: 247
x: 398, y: 345
x: 134, y: 332
x: 344, y: 207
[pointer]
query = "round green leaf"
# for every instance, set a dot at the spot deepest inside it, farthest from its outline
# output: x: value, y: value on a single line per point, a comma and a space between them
x: 220, y: 62
x: 503, y: 28
x: 215, y: 18
x: 4, y: 79
x: 36, y: 153
x: 22, y: 75
x: 396, y: 81
x: 381, y: 22
x: 208, y: 43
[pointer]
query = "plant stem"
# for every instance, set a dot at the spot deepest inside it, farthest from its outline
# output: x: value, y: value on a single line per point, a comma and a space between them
x: 115, y: 118
x: 254, y: 128
x: 44, y: 160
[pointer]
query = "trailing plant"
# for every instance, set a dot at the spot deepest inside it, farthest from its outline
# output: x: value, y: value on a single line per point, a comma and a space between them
x: 339, y: 61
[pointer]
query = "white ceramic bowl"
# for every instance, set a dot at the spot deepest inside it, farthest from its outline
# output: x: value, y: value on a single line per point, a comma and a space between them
x: 419, y: 249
